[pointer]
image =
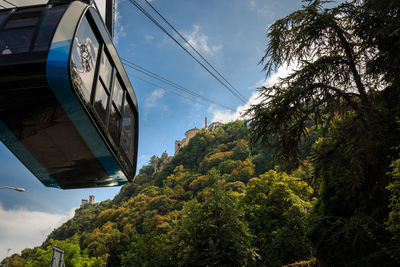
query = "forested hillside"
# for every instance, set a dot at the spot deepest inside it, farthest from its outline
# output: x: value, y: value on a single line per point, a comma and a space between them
x: 218, y: 202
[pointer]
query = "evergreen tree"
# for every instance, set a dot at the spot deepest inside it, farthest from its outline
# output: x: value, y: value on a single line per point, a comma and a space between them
x: 344, y: 82
x: 329, y: 76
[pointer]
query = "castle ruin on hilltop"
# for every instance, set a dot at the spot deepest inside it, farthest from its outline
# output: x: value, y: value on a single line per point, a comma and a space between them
x: 192, y: 132
x: 90, y: 201
x: 159, y: 163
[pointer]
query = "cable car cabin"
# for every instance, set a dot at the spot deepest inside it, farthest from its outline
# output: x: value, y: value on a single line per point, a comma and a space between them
x: 67, y: 108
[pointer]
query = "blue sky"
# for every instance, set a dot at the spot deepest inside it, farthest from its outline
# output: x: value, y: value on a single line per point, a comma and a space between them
x: 230, y: 34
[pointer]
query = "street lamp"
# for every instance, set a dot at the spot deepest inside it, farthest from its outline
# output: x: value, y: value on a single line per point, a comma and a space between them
x: 14, y: 188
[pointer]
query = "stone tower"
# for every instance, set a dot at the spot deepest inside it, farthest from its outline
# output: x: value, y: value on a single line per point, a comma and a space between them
x: 91, y: 200
x: 188, y: 135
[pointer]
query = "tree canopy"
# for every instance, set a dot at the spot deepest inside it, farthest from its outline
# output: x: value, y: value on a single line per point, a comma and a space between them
x: 330, y: 60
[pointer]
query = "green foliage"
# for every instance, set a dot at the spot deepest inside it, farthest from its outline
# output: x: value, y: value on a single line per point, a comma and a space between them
x: 227, y: 166
x: 263, y: 161
x: 190, y: 213
x: 306, y: 173
x: 330, y: 76
x: 14, y: 260
x: 238, y: 187
x: 205, y: 144
x: 379, y: 22
x: 241, y: 150
x: 348, y: 219
x: 212, y: 232
x: 393, y: 221
x: 243, y: 172
x: 80, y: 222
x: 394, y: 189
x: 149, y: 250
x: 345, y: 86
x: 193, y: 210
x: 180, y: 177
x: 276, y: 205
x: 74, y: 256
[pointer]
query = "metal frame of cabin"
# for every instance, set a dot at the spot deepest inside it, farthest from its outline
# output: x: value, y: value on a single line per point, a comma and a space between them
x: 67, y: 108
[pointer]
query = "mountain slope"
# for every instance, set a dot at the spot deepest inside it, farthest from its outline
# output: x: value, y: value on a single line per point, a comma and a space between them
x: 209, y: 205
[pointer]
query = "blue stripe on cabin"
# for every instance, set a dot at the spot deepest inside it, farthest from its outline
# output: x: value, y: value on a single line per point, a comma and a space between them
x: 57, y: 71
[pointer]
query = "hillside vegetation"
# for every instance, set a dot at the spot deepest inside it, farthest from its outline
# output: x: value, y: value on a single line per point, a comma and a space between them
x: 218, y: 202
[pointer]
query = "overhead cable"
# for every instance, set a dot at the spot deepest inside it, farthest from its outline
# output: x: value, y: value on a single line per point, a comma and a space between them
x: 153, y: 75
x: 178, y: 43
x: 158, y: 76
x: 8, y: 2
x: 164, y: 80
x: 171, y: 91
x: 195, y: 50
x: 181, y: 88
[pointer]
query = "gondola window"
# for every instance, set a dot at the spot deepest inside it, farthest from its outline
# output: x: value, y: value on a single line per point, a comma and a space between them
x: 127, y: 134
x: 115, y: 111
x: 17, y: 33
x: 84, y: 55
x: 105, y: 70
x: 46, y: 31
x: 100, y: 102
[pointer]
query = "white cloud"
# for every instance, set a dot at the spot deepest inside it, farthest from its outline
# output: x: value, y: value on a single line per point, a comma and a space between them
x: 253, y: 4
x: 261, y: 8
x: 200, y: 42
x: 148, y: 37
x: 227, y: 115
x: 282, y: 72
x: 156, y: 95
x: 22, y: 228
x: 257, y: 85
x: 119, y: 30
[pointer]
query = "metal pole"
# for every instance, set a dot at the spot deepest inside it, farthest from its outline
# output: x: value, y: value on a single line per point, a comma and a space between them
x: 110, y: 16
x: 14, y: 188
